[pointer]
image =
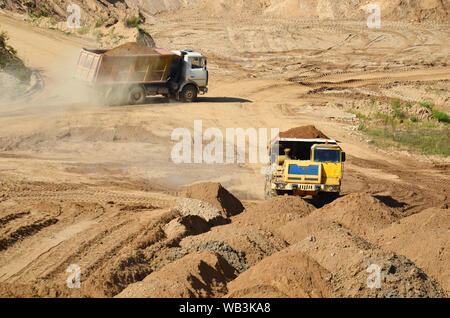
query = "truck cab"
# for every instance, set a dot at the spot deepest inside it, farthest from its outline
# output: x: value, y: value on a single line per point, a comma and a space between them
x: 305, y: 167
x: 193, y: 74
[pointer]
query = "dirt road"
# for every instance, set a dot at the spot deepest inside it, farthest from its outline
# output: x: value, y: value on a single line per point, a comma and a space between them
x: 94, y: 186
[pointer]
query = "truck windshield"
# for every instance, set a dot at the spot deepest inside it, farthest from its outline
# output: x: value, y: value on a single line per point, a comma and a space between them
x: 327, y: 155
x: 197, y: 62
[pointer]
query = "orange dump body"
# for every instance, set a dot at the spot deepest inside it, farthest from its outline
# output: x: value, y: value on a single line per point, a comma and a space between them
x: 129, y: 63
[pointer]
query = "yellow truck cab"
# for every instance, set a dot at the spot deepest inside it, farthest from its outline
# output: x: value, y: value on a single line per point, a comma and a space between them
x: 305, y: 167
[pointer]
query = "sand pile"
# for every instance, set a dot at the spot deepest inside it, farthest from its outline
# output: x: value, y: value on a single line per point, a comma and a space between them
x: 273, y: 213
x: 185, y: 226
x: 304, y: 132
x: 252, y: 231
x: 202, y: 274
x: 131, y: 48
x: 233, y: 257
x: 423, y: 238
x: 202, y: 209
x: 284, y: 274
x: 215, y: 194
x: 362, y: 213
x: 348, y: 257
x: 254, y: 242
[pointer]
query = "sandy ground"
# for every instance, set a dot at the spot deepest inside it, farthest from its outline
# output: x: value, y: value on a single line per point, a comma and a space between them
x: 94, y: 186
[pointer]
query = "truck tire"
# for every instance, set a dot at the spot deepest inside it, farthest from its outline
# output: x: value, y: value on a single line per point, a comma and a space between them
x: 115, y: 96
x: 188, y: 94
x: 268, y: 190
x: 136, y: 95
x: 110, y: 97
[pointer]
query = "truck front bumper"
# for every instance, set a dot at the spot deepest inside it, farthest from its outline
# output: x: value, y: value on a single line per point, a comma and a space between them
x: 306, y: 187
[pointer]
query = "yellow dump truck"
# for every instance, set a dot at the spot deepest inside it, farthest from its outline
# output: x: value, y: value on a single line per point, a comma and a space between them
x: 305, y: 167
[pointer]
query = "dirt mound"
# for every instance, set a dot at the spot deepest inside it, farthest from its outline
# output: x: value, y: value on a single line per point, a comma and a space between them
x: 235, y: 258
x: 284, y: 274
x: 423, y: 238
x: 362, y: 213
x: 275, y: 212
x: 349, y: 257
x: 255, y: 242
x: 185, y: 226
x: 130, y: 48
x: 202, y: 274
x: 252, y: 231
x: 202, y: 209
x: 218, y: 196
x: 304, y: 132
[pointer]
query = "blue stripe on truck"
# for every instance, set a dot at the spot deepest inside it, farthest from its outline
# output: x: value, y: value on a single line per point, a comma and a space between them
x: 308, y: 171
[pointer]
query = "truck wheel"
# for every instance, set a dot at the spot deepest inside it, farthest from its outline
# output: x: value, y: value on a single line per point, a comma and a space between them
x: 268, y: 193
x: 115, y: 96
x: 189, y: 93
x: 110, y: 98
x: 136, y: 95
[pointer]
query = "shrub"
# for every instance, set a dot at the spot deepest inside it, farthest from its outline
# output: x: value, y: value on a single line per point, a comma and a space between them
x: 413, y: 119
x: 428, y: 105
x: 98, y: 24
x: 441, y: 116
x: 83, y: 30
x: 133, y: 22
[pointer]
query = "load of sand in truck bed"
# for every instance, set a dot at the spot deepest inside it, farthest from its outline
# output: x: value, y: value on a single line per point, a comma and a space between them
x: 303, y: 132
x: 133, y: 48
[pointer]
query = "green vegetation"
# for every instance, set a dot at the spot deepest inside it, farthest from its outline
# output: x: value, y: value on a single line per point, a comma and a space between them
x: 398, y: 112
x: 52, y: 20
x: 39, y: 12
x: 428, y: 105
x: 83, y: 30
x: 8, y: 48
x: 425, y: 140
x: 441, y: 116
x: 358, y: 114
x: 429, y: 124
x: 431, y: 137
x: 387, y: 119
x: 99, y: 24
x: 133, y: 22
x: 111, y: 32
x: 10, y: 63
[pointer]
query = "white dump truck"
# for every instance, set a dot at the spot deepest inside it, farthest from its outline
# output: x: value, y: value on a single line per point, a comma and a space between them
x: 131, y: 72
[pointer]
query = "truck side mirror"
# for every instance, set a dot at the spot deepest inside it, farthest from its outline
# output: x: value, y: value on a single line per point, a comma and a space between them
x: 344, y: 157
